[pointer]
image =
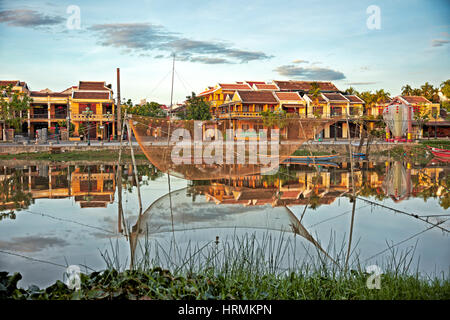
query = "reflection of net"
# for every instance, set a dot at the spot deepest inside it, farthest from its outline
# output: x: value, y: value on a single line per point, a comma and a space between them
x: 396, y: 117
x: 158, y: 137
x: 204, y: 213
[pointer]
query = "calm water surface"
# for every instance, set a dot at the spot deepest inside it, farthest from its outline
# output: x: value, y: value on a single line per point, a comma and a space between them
x: 53, y: 216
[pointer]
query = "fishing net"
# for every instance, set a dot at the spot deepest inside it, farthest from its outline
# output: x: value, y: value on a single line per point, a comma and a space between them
x: 203, y: 150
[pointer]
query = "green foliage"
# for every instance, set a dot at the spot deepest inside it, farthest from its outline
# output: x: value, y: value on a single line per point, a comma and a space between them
x: 426, y: 90
x: 445, y: 88
x: 12, y: 104
x: 149, y: 109
x: 247, y: 271
x: 274, y: 118
x: 196, y: 109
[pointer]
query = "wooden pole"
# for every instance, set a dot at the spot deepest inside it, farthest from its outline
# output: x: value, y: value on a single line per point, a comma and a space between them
x: 353, y: 196
x: 119, y: 107
x: 126, y: 121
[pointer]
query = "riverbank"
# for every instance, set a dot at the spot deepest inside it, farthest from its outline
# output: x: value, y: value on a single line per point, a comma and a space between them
x: 414, y: 152
x: 161, y: 284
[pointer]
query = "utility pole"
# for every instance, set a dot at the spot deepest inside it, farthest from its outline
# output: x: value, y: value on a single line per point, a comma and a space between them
x: 119, y: 107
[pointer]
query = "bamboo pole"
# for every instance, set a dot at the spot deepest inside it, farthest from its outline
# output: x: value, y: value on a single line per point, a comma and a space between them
x: 126, y: 120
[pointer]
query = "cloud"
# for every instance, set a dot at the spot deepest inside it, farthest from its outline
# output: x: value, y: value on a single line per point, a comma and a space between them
x: 28, y: 18
x: 439, y: 42
x: 32, y: 243
x: 310, y: 73
x: 360, y: 83
x: 144, y: 37
x: 208, y: 60
x: 300, y: 61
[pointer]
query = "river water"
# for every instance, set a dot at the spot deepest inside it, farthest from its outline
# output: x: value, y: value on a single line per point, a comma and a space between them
x: 58, y: 215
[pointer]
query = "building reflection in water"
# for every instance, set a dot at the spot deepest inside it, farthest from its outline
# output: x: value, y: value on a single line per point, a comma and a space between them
x: 95, y: 185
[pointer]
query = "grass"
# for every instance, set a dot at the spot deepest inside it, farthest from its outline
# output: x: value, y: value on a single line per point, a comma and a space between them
x: 443, y: 144
x: 247, y: 267
x: 106, y: 155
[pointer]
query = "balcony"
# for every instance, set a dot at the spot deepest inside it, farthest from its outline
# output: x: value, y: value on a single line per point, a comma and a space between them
x: 237, y: 114
x: 93, y: 117
x: 39, y: 116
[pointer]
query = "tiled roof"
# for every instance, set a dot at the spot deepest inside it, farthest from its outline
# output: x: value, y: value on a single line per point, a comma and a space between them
x: 257, y: 97
x: 304, y: 85
x: 415, y: 99
x: 204, y: 93
x: 335, y: 97
x: 92, y: 85
x: 8, y: 82
x: 354, y: 99
x: 320, y: 98
x: 251, y: 83
x: 293, y: 96
x: 235, y: 86
x: 46, y: 94
x: 91, y: 95
x: 265, y: 86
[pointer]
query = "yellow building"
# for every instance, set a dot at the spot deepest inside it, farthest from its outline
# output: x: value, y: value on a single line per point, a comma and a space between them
x: 92, y: 110
x: 217, y: 95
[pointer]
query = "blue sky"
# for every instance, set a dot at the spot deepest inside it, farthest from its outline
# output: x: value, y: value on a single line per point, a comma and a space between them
x: 224, y: 41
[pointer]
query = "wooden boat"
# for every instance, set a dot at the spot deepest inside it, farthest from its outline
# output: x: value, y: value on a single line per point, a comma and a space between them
x: 441, y: 153
x: 308, y: 159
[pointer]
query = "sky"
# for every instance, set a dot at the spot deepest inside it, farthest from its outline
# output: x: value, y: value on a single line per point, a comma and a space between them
x: 368, y: 45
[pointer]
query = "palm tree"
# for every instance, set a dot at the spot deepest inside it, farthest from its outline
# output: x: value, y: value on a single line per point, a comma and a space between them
x: 429, y: 92
x: 315, y: 93
x: 381, y: 96
x: 351, y: 91
x: 407, y: 90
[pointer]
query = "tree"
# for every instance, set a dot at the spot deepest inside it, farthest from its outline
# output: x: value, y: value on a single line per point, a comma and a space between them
x: 407, y: 90
x: 196, y: 109
x: 351, y: 91
x: 445, y: 88
x: 430, y: 92
x: 12, y: 106
x: 315, y: 93
x: 149, y: 109
x: 421, y: 118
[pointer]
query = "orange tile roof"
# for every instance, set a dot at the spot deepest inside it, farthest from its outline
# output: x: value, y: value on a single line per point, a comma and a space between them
x: 335, y: 97
x: 93, y: 85
x: 293, y: 96
x: 235, y: 86
x: 204, y: 93
x: 320, y: 98
x: 415, y: 99
x: 266, y: 86
x: 91, y: 95
x: 8, y: 82
x: 304, y: 85
x: 51, y: 94
x: 257, y: 97
x: 354, y: 99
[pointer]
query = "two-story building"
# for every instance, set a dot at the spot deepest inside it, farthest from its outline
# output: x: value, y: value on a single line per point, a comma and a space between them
x: 92, y: 110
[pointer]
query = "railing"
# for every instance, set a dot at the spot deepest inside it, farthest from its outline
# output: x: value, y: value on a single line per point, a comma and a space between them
x: 39, y: 116
x: 93, y: 117
x: 343, y: 116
